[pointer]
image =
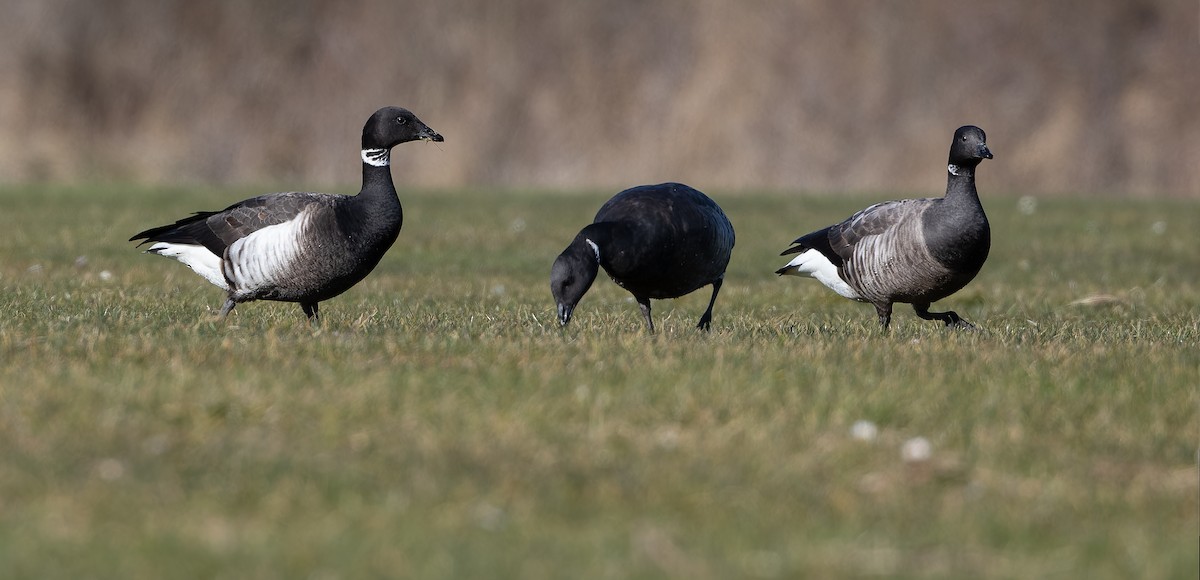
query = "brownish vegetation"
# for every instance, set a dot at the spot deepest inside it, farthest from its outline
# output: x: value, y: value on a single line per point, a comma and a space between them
x: 1077, y: 96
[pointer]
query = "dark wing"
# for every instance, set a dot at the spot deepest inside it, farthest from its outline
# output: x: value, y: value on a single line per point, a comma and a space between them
x: 837, y: 242
x: 216, y: 230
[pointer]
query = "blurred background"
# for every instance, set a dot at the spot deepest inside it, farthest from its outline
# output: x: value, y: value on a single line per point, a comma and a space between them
x: 1077, y: 96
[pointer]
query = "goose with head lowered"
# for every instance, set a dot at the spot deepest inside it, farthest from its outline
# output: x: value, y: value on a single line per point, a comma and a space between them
x: 656, y: 241
x: 298, y: 246
x: 914, y: 251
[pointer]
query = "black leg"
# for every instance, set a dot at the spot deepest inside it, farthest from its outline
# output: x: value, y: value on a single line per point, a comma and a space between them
x: 310, y: 310
x: 884, y: 310
x: 644, y: 304
x: 227, y: 308
x: 951, y: 318
x: 706, y: 320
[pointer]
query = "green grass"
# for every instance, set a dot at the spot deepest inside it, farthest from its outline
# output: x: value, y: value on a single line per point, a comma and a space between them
x: 440, y: 425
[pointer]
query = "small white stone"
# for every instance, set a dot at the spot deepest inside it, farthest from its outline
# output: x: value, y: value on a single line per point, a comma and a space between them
x: 1027, y: 205
x: 916, y: 450
x: 106, y: 276
x: 864, y: 430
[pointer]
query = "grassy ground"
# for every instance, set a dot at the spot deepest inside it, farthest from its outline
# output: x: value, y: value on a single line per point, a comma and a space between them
x: 440, y: 425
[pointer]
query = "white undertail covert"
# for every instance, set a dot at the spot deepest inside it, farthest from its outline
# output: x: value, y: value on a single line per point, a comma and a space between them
x: 198, y: 258
x: 814, y: 264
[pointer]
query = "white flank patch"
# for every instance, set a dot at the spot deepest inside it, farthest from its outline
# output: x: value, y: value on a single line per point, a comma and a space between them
x: 265, y: 257
x: 814, y: 264
x: 198, y: 258
x: 595, y: 248
x: 376, y: 157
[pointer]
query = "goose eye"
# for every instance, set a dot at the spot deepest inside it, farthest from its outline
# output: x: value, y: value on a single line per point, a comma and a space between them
x: 401, y: 120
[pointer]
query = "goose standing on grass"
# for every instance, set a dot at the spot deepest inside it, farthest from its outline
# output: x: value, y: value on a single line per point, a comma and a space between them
x: 915, y: 251
x: 656, y: 241
x: 299, y: 247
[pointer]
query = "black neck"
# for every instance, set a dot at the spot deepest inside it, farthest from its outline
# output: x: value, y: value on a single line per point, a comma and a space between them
x: 583, y: 250
x: 600, y: 234
x: 956, y: 229
x: 960, y: 183
x: 377, y: 180
x: 374, y: 214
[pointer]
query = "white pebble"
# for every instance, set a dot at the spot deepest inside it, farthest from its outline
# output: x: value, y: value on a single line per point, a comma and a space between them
x: 864, y: 430
x: 106, y: 276
x: 916, y: 449
x: 1027, y: 205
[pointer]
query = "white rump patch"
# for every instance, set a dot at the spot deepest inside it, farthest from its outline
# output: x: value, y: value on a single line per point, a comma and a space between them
x: 376, y: 157
x: 814, y: 264
x: 595, y: 248
x: 267, y: 256
x: 198, y: 258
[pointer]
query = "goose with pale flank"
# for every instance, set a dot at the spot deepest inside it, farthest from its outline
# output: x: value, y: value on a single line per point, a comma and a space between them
x: 656, y: 241
x: 914, y: 251
x: 298, y: 246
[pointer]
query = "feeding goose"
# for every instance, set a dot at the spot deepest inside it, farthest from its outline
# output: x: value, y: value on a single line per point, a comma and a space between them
x: 915, y: 251
x: 656, y: 241
x: 299, y: 247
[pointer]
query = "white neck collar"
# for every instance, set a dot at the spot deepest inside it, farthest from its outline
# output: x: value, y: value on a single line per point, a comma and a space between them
x: 376, y: 157
x: 595, y: 248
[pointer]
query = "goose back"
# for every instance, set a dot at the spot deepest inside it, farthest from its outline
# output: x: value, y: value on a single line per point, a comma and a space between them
x: 668, y: 240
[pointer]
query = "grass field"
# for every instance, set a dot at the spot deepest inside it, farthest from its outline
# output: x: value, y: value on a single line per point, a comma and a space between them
x: 440, y: 425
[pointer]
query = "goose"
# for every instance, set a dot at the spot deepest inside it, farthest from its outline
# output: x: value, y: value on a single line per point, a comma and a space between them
x: 656, y: 241
x: 298, y: 246
x: 913, y: 251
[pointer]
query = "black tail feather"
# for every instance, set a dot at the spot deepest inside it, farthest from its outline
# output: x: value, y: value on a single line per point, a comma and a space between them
x: 794, y: 249
x: 189, y: 230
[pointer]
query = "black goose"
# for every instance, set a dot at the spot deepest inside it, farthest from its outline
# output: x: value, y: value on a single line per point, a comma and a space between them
x: 656, y: 241
x: 915, y: 251
x: 299, y: 247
